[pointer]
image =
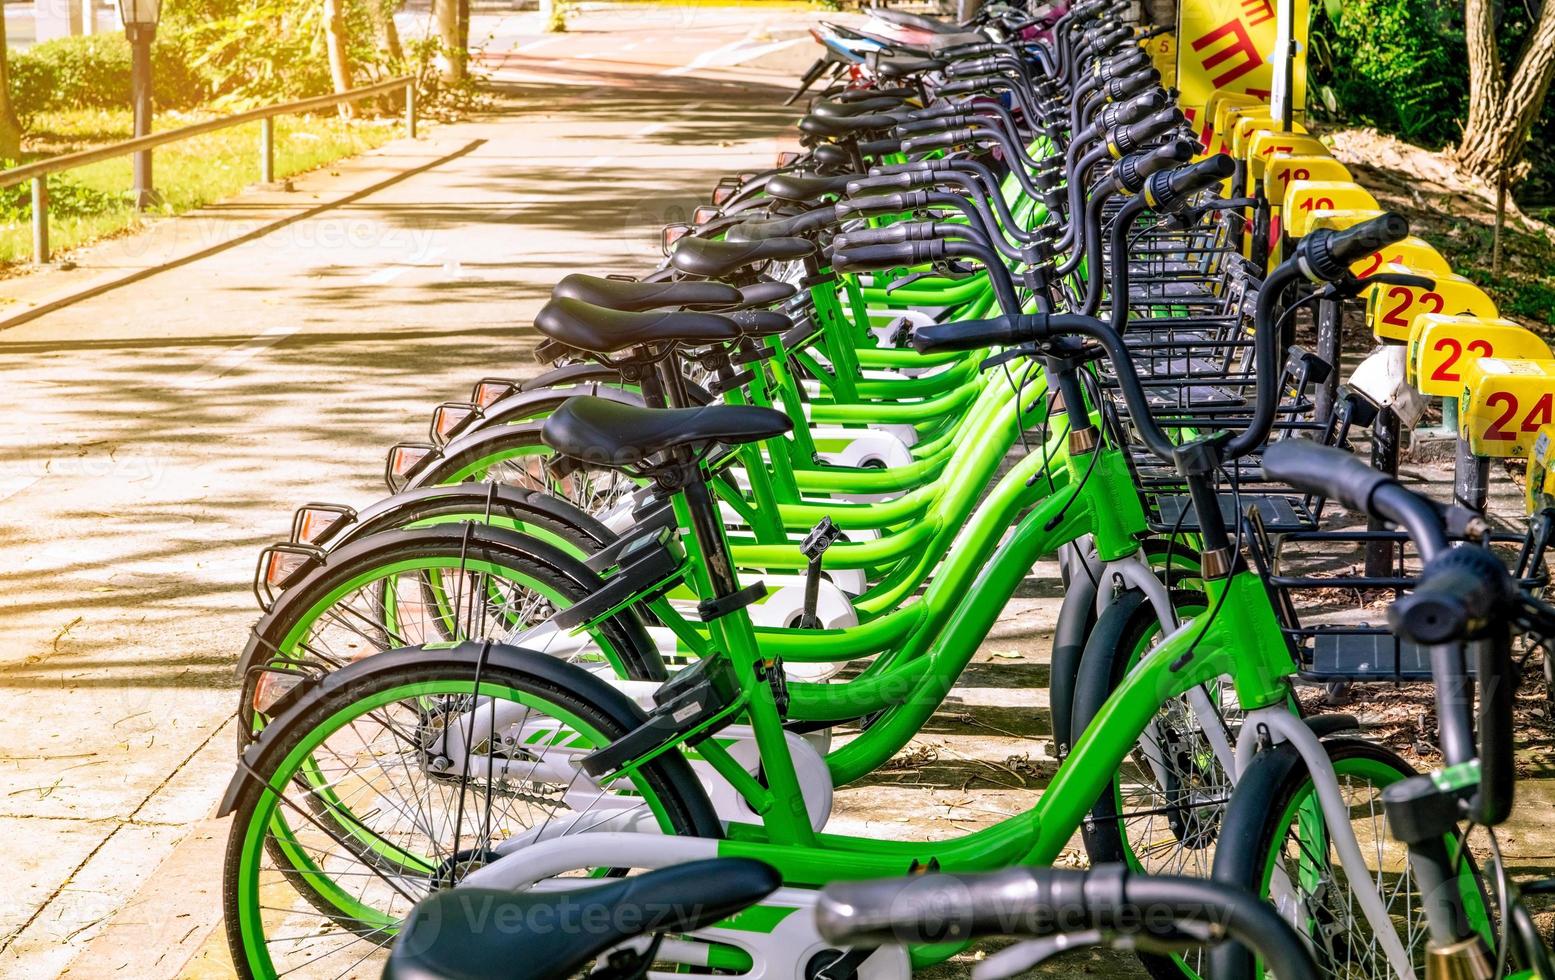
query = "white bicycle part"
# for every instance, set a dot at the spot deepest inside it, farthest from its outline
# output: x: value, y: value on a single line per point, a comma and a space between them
x: 784, y: 608
x: 505, y: 741
x: 1282, y: 726
x: 780, y: 952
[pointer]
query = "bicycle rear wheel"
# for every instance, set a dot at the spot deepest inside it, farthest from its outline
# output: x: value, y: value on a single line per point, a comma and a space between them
x: 399, y: 775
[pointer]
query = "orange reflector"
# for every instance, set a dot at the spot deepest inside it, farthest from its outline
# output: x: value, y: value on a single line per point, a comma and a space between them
x: 489, y: 392
x: 672, y: 234
x: 448, y: 417
x: 704, y: 213
x: 272, y: 687
x: 282, y: 565
x: 403, y: 460
x: 311, y: 523
x: 787, y: 159
x: 724, y: 190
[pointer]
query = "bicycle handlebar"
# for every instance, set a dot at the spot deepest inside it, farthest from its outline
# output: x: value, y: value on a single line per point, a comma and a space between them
x: 1464, y: 594
x: 1045, y: 901
x: 1132, y: 171
x: 1124, y: 140
x: 1329, y: 253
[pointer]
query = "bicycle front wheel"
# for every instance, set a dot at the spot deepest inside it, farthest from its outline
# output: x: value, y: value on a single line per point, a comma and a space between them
x: 1277, y: 843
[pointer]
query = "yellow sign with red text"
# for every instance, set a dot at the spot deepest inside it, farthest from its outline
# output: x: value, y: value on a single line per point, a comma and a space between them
x: 1229, y: 45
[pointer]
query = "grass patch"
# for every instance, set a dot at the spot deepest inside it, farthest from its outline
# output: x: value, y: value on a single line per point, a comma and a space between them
x: 1525, y: 290
x: 188, y: 174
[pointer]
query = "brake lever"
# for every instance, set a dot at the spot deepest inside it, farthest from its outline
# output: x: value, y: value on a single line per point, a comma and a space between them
x: 1350, y: 286
x: 1032, y: 953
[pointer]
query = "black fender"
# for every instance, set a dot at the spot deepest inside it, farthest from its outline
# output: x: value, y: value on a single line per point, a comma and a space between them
x: 482, y: 443
x: 521, y: 406
x: 390, y: 513
x: 1237, y: 851
x: 261, y: 639
x: 1076, y: 618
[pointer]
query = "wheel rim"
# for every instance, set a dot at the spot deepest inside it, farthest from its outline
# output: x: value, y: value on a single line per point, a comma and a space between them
x: 309, y: 907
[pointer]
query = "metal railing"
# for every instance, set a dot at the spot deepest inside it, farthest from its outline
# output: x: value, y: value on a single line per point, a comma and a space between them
x: 38, y: 172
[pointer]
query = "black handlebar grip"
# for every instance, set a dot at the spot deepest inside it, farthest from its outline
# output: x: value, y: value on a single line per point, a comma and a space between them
x: 882, y: 203
x: 1132, y: 171
x: 901, y: 180
x: 1001, y: 331
x: 1118, y: 89
x: 974, y: 66
x: 1325, y: 471
x: 893, y: 234
x: 1361, y: 240
x: 1459, y: 590
x: 1202, y: 174
x: 1126, y: 63
x: 966, y: 50
x: 1168, y: 191
x: 875, y: 148
x: 866, y: 257
x: 939, y: 141
x: 911, y: 167
x: 966, y: 86
x: 939, y: 111
x: 1132, y: 110
x: 917, y: 127
x: 1326, y: 255
x: 1124, y: 140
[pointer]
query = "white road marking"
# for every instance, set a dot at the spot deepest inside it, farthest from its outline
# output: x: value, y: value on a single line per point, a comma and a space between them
x: 537, y: 45
x: 730, y: 55
x: 233, y: 358
x: 705, y: 58
x: 383, y: 276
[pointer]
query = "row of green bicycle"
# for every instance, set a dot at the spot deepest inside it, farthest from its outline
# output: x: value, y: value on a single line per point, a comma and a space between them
x: 736, y: 545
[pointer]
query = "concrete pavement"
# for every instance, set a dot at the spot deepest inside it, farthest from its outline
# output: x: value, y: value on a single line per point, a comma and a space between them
x: 161, y: 432
x: 266, y: 352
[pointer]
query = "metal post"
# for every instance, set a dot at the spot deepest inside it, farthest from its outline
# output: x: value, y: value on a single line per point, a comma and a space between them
x: 1495, y: 241
x: 1282, y: 98
x: 1328, y: 331
x: 410, y: 109
x: 40, y: 220
x: 1384, y: 457
x: 140, y: 95
x: 1470, y: 479
x: 267, y: 150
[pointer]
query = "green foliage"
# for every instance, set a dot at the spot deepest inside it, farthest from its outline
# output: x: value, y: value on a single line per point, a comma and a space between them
x: 223, y: 54
x: 94, y: 72
x: 1398, y: 65
x: 67, y: 198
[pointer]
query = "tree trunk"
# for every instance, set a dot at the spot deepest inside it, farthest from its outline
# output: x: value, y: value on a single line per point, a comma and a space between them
x: 450, y: 34
x: 1502, y: 110
x: 388, y: 33
x: 338, y: 42
x: 10, y: 126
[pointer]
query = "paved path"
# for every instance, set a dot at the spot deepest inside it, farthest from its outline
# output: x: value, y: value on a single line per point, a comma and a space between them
x: 158, y: 434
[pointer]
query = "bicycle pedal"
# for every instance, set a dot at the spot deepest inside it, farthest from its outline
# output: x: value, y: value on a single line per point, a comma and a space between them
x: 685, y: 705
x: 822, y: 536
